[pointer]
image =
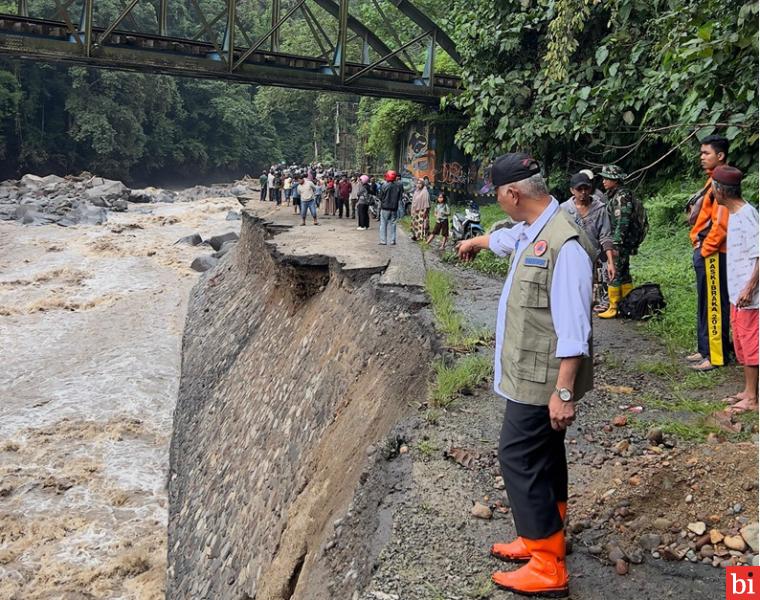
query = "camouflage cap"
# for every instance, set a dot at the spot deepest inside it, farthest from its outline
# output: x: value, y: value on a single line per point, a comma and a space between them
x: 613, y: 172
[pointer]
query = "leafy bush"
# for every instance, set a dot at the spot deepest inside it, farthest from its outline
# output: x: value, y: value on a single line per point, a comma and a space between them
x: 576, y: 81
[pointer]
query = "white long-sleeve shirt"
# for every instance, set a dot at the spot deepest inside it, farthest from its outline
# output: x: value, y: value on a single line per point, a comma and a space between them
x: 570, y: 296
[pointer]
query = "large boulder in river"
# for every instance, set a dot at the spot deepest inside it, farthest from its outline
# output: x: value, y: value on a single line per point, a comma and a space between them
x: 109, y: 192
x: 151, y: 194
x: 217, y: 241
x: 191, y: 240
x: 84, y: 214
x: 204, y: 263
x: 33, y: 217
x: 31, y: 182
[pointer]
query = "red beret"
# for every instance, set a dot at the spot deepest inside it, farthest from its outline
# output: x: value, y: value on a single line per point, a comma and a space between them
x: 727, y: 175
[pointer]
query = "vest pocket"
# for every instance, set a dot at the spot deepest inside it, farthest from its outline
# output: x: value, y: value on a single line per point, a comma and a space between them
x: 534, y: 291
x: 533, y: 362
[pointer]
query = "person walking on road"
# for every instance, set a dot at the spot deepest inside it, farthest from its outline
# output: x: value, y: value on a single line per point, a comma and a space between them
x: 319, y: 191
x: 356, y: 187
x: 420, y: 211
x: 329, y: 197
x: 362, y: 204
x: 271, y: 186
x: 390, y: 196
x: 307, y: 192
x: 441, y: 228
x: 344, y: 193
x: 295, y: 196
x: 543, y: 364
x: 287, y: 187
x: 264, y: 185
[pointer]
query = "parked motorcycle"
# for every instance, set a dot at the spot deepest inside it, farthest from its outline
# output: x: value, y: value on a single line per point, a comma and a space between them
x: 467, y: 225
x: 374, y: 207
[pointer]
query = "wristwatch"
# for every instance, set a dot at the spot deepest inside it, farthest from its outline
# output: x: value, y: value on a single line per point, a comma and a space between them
x: 564, y: 394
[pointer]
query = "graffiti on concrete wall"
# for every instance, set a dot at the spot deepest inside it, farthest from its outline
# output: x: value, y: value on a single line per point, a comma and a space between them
x: 453, y: 173
x: 419, y: 154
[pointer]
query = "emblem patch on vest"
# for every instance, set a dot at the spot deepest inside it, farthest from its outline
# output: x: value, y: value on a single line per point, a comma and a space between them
x: 539, y: 248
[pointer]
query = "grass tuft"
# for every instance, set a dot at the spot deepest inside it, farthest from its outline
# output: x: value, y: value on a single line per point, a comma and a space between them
x: 482, y: 588
x: 467, y: 373
x: 448, y: 320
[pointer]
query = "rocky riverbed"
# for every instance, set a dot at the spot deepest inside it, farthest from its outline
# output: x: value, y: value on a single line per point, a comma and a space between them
x: 91, y: 315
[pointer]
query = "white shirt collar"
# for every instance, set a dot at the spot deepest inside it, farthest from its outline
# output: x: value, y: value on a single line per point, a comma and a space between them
x: 530, y: 232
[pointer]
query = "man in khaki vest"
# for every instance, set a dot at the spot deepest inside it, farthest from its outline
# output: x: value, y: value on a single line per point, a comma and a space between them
x: 543, y: 364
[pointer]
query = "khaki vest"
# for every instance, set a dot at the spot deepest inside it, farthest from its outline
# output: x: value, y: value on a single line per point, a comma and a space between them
x: 529, y: 367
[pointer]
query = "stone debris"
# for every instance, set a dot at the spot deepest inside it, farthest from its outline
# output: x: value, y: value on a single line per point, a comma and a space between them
x: 735, y: 542
x: 217, y: 241
x: 191, y: 240
x: 621, y: 567
x: 481, y: 511
x: 86, y: 199
x: 204, y: 263
x: 750, y: 535
x: 697, y: 528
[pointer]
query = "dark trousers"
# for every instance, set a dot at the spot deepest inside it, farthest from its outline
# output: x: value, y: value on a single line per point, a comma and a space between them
x: 342, y: 204
x: 362, y: 211
x: 534, y: 467
x: 263, y: 193
x: 713, y: 308
x: 272, y: 195
x: 622, y: 269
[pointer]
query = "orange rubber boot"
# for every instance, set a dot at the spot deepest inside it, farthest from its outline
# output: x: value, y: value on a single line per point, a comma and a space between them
x: 545, y: 575
x: 515, y: 551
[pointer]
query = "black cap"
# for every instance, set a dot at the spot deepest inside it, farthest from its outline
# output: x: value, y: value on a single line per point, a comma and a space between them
x: 512, y: 167
x: 579, y: 179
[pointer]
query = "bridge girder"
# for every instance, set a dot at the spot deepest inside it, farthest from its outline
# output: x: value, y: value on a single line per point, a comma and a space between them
x: 63, y: 40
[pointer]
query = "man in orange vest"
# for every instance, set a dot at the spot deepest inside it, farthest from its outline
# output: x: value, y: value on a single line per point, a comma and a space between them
x: 708, y: 238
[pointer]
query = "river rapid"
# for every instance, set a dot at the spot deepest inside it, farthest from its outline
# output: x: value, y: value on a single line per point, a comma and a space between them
x: 91, y: 320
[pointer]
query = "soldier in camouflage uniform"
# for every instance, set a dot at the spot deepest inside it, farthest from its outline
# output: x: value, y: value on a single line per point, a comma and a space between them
x: 620, y: 206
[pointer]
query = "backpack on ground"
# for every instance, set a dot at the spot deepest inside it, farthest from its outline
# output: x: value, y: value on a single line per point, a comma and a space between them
x: 642, y: 302
x: 639, y: 226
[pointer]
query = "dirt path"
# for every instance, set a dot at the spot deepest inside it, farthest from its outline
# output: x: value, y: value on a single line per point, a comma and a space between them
x: 90, y: 322
x: 621, y: 483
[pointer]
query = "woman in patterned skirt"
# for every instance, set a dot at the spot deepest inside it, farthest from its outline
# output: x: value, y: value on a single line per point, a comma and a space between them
x: 420, y: 212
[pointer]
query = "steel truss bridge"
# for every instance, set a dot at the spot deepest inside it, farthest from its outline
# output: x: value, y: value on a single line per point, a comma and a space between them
x: 351, y: 57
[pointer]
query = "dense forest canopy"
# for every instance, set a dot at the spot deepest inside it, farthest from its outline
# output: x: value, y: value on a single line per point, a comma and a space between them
x: 582, y: 82
x: 577, y: 82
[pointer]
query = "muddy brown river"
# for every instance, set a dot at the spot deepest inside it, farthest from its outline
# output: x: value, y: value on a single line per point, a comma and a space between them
x: 91, y: 321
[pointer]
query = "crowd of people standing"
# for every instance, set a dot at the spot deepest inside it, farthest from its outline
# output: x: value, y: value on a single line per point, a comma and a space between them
x: 354, y: 196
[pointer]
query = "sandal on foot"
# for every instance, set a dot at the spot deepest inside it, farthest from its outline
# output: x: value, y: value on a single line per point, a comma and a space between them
x: 742, y: 406
x: 703, y: 367
x: 695, y: 358
x: 731, y: 399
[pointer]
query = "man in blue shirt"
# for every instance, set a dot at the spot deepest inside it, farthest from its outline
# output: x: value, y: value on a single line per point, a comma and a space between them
x: 542, y: 365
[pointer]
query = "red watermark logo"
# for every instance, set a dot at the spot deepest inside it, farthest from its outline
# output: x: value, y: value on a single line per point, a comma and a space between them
x: 742, y: 583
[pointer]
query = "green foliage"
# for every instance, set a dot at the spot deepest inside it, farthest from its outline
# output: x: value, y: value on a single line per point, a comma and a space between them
x: 575, y: 80
x: 448, y: 320
x: 467, y: 373
x: 384, y: 122
x: 485, y: 262
x: 10, y: 99
x: 426, y: 447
